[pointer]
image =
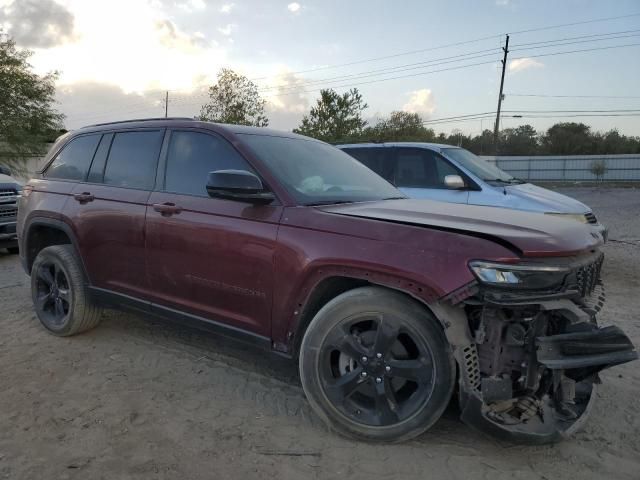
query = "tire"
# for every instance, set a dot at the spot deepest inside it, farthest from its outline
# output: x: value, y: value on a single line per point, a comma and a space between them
x: 13, y: 250
x: 375, y: 365
x: 59, y: 292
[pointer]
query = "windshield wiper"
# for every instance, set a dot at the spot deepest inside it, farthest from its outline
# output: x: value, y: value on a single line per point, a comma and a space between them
x: 327, y: 202
x: 395, y: 198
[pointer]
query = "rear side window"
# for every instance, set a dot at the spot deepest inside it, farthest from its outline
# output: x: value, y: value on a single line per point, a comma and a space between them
x: 133, y: 159
x: 192, y: 155
x: 72, y: 163
x: 374, y: 158
x: 421, y: 168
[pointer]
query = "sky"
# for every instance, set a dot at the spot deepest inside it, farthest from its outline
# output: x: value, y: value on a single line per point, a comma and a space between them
x: 441, y: 59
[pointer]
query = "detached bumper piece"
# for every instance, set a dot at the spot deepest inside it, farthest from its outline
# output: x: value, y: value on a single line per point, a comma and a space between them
x: 590, y: 351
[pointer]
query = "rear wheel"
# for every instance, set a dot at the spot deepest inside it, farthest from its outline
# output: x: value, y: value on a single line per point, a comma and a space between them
x: 59, y: 292
x: 376, y: 365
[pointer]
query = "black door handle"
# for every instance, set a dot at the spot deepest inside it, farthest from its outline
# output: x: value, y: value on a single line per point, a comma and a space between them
x: 167, y: 209
x: 84, y: 197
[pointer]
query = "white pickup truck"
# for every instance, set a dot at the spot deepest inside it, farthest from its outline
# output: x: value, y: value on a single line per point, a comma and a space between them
x: 10, y: 190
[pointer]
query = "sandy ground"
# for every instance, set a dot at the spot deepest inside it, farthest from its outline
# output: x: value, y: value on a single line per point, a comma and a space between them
x: 136, y: 398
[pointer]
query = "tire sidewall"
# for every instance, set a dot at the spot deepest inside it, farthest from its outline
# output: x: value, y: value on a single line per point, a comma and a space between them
x: 52, y: 254
x: 418, y: 320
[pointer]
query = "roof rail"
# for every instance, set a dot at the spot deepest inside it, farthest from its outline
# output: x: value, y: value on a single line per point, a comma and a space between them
x: 140, y: 120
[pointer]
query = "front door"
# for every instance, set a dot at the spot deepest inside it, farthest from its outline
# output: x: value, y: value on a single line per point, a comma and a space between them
x: 419, y: 173
x: 210, y: 257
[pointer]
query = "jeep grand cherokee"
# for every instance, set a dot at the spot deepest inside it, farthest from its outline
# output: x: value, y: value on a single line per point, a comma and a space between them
x: 386, y: 303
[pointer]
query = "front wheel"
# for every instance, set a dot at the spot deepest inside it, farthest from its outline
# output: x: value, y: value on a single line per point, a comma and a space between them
x: 376, y: 365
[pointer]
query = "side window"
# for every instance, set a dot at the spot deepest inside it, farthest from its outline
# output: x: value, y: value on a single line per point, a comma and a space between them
x: 96, y: 171
x: 420, y: 168
x: 192, y: 155
x: 72, y: 163
x: 368, y: 157
x: 133, y: 159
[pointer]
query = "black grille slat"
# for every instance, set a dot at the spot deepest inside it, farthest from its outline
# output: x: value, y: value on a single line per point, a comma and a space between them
x: 587, y: 277
x: 8, y: 213
x: 591, y: 218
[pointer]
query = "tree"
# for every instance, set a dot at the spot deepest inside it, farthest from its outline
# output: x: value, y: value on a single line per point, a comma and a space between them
x: 568, y: 138
x: 400, y: 126
x: 598, y: 169
x: 522, y: 140
x: 27, y: 117
x: 335, y: 117
x: 234, y: 99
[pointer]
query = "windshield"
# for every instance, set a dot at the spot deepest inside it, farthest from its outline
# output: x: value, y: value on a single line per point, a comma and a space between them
x: 481, y: 168
x: 316, y: 173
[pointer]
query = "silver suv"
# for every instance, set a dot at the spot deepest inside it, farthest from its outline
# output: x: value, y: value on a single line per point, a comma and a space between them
x: 10, y: 191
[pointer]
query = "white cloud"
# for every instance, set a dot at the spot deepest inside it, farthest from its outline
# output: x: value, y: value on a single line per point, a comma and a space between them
x: 521, y: 64
x: 227, y: 7
x: 294, y: 7
x: 148, y: 52
x: 227, y: 29
x: 420, y: 101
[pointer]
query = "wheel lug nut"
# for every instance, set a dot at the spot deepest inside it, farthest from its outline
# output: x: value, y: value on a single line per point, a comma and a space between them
x: 363, y: 374
x: 378, y: 355
x: 387, y: 369
x: 378, y: 380
x: 364, y: 359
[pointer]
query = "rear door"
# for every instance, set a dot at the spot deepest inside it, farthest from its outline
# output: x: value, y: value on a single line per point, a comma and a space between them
x: 376, y: 158
x: 419, y: 173
x: 209, y: 257
x: 107, y: 209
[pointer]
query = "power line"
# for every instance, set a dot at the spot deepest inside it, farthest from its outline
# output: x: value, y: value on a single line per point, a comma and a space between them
x: 570, y: 96
x: 595, y: 20
x: 374, y: 73
x: 621, y: 32
x: 575, y: 111
x: 577, y: 51
x: 386, y: 57
x: 550, y: 45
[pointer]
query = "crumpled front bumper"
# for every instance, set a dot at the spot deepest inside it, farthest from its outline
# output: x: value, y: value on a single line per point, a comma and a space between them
x: 580, y: 356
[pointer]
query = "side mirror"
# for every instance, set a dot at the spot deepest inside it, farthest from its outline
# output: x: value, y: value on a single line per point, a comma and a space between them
x: 238, y: 185
x: 454, y: 182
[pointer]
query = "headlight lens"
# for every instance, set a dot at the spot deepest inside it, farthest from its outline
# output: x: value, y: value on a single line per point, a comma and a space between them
x: 578, y: 217
x: 534, y: 277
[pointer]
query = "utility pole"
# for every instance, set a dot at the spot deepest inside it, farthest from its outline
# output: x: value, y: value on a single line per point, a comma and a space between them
x: 496, y: 130
x: 166, y: 102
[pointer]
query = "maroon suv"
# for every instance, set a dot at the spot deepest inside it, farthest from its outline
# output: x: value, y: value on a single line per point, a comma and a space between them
x: 289, y: 243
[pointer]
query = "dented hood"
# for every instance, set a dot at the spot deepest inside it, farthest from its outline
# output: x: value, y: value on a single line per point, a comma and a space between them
x: 528, y: 233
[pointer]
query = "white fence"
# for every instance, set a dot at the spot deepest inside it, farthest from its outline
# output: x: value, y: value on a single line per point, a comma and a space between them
x: 617, y: 168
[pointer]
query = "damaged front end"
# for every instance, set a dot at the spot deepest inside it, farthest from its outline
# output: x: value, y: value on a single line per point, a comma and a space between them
x: 529, y: 348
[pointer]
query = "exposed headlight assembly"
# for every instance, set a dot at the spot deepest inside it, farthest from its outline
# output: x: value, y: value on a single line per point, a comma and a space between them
x: 578, y: 217
x: 531, y: 277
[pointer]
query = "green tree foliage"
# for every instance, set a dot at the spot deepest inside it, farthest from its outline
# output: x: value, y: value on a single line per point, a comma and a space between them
x: 27, y: 117
x: 568, y: 139
x: 234, y: 99
x: 398, y: 127
x: 560, y: 139
x: 335, y: 117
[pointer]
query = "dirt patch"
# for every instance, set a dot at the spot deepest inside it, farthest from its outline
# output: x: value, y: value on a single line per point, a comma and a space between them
x: 138, y: 398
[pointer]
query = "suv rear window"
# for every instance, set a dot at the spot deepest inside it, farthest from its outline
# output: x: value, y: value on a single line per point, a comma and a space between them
x: 133, y: 159
x: 72, y: 163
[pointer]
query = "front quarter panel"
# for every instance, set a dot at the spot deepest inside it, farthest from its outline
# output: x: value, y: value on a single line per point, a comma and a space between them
x: 313, y: 245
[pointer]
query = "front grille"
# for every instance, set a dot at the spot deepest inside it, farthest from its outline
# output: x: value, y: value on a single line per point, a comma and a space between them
x: 8, y: 196
x: 8, y: 213
x: 591, y: 218
x: 587, y: 276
